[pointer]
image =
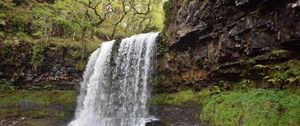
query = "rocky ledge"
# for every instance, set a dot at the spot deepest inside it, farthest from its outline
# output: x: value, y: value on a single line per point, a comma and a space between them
x: 207, y: 40
x: 45, y: 66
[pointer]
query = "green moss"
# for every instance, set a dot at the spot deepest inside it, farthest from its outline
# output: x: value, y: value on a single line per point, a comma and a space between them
x: 1, y: 34
x: 285, y: 74
x: 41, y: 98
x: 242, y: 84
x: 2, y: 18
x: 81, y: 65
x: 181, y: 97
x: 38, y: 55
x: 279, y: 52
x: 276, y: 74
x: 157, y: 79
x: 168, y: 6
x: 253, y: 107
x: 6, y: 85
x: 174, y: 99
x: 250, y: 107
x: 21, y: 36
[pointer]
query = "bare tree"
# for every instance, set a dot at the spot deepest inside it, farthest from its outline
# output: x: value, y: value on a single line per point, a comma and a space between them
x: 119, y: 16
x: 95, y: 6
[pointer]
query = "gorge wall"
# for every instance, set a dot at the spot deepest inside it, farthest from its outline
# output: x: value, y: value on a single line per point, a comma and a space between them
x: 206, y: 40
x: 43, y: 66
x: 203, y: 42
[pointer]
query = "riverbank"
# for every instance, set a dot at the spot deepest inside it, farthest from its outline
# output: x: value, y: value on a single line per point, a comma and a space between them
x: 250, y: 107
x: 36, y: 107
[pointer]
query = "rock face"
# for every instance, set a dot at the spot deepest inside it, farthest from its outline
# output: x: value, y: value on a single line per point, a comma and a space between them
x: 49, y: 67
x: 206, y: 40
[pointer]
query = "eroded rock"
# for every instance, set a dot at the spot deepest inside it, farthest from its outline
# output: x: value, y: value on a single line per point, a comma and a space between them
x: 207, y: 35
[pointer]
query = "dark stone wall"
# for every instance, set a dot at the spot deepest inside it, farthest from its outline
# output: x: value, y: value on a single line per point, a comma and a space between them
x: 206, y: 40
x: 57, y: 67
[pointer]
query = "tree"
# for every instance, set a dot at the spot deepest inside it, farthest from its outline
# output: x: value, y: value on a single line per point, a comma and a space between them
x: 116, y: 18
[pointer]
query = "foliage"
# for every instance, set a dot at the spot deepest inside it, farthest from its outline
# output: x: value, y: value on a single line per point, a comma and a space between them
x: 250, y: 107
x: 2, y: 18
x: 6, y: 85
x: 41, y: 98
x: 253, y: 107
x: 74, y: 19
x: 123, y: 17
x: 1, y: 34
x: 279, y: 52
x: 280, y: 75
x: 174, y: 99
x: 81, y: 65
x: 182, y: 97
x: 37, y: 55
x: 244, y: 84
x: 216, y: 89
x: 224, y: 85
x: 72, y: 24
x: 167, y: 6
x: 285, y: 75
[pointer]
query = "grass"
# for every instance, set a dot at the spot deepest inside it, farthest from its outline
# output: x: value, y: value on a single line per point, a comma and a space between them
x: 180, y: 97
x: 280, y: 52
x: 37, y: 107
x: 173, y: 99
x: 40, y: 98
x: 252, y: 107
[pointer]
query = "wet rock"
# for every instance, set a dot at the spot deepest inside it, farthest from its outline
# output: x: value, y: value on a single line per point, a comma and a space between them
x: 206, y: 35
x: 16, y: 121
x: 294, y: 5
x: 155, y: 123
x: 24, y: 104
x: 58, y: 65
x: 181, y: 115
x: 241, y: 2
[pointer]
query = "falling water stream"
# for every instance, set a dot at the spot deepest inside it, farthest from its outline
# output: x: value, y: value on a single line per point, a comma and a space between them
x: 114, y: 89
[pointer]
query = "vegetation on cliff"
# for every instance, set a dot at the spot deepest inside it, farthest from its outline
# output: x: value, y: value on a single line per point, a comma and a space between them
x: 44, y: 47
x: 50, y: 40
x: 79, y: 24
x: 238, y: 59
x: 267, y: 94
x: 81, y: 20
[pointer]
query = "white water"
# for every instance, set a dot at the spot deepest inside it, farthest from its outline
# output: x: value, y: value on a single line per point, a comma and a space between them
x: 114, y: 91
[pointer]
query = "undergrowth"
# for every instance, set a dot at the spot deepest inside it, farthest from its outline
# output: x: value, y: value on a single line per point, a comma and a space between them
x: 181, y: 97
x: 40, y: 98
x: 252, y: 107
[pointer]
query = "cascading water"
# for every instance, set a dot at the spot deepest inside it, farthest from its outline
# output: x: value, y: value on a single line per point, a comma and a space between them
x: 114, y: 90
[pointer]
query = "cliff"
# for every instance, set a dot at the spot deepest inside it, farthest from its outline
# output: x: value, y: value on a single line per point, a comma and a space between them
x: 45, y: 66
x: 41, y: 45
x: 205, y: 41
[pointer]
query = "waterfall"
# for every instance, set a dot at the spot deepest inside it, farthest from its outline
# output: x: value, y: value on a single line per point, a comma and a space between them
x: 114, y: 89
